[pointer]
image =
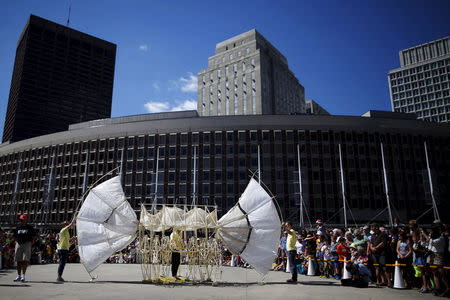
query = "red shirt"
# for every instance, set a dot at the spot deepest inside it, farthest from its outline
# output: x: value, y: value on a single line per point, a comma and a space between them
x: 342, y: 251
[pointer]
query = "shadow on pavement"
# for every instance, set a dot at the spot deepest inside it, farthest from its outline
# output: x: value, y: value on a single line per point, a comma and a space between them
x: 320, y: 283
x: 4, y: 272
x: 15, y: 285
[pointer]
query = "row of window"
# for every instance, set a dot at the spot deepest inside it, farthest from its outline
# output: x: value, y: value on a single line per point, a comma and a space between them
x: 425, y: 95
x: 419, y: 69
x: 421, y: 104
x: 432, y: 84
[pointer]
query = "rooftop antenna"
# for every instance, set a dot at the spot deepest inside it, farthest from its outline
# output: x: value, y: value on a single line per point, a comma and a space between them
x: 68, y: 18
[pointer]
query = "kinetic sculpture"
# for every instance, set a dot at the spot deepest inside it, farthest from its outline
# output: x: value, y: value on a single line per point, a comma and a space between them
x: 106, y: 224
x: 200, y: 251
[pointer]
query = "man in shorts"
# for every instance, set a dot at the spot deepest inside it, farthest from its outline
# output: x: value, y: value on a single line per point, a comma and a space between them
x: 24, y: 235
x: 377, y: 248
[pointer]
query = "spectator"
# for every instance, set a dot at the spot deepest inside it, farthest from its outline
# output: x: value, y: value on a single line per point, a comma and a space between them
x: 24, y: 235
x: 419, y: 251
x: 360, y: 275
x: 436, y: 246
x: 377, y: 248
x: 404, y: 255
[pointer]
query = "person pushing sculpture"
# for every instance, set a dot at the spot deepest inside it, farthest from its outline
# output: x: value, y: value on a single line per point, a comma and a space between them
x: 176, y: 245
x: 63, y: 247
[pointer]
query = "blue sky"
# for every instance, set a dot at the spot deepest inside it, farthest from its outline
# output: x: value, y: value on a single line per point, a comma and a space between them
x: 340, y: 51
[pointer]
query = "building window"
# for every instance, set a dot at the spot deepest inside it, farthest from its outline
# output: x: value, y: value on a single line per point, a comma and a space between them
x: 254, y: 102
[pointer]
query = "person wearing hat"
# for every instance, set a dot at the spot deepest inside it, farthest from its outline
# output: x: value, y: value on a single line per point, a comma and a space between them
x: 63, y: 248
x: 24, y: 235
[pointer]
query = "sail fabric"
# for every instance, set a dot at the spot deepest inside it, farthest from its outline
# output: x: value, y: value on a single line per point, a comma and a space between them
x: 106, y: 223
x: 172, y: 216
x: 252, y: 228
x: 150, y: 221
x: 196, y: 218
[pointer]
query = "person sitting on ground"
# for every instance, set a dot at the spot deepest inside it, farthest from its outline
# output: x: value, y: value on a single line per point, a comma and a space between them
x: 360, y: 275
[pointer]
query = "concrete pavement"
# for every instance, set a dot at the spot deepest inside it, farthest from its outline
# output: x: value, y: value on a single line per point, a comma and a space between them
x: 120, y: 281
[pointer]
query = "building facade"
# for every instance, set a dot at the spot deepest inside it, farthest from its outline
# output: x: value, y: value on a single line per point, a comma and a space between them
x: 46, y: 176
x: 422, y: 83
x: 61, y: 76
x: 248, y: 76
x: 313, y: 108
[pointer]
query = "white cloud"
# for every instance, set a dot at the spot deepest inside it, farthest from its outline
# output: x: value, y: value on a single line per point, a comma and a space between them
x: 188, y: 85
x: 155, y: 107
x: 143, y: 47
x: 155, y: 85
x: 186, y: 105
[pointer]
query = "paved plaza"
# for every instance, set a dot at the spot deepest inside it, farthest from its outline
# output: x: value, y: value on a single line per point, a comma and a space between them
x: 117, y: 281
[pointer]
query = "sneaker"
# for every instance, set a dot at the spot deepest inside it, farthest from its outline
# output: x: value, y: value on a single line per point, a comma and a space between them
x: 18, y: 278
x: 291, y: 280
x: 23, y: 279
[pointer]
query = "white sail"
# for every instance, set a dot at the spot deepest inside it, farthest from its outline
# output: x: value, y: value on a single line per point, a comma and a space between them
x: 106, y: 223
x: 252, y: 228
x: 196, y: 218
x: 171, y: 216
x: 150, y: 221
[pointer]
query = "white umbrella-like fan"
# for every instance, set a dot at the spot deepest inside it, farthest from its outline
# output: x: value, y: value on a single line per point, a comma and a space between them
x: 106, y: 223
x: 252, y: 227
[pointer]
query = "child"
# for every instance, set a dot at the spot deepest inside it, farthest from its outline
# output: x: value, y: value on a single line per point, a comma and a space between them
x: 327, y: 257
x: 343, y: 254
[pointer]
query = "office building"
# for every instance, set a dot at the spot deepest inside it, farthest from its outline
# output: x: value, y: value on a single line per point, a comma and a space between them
x: 313, y: 108
x: 61, y: 76
x: 49, y: 173
x: 248, y: 76
x: 422, y: 83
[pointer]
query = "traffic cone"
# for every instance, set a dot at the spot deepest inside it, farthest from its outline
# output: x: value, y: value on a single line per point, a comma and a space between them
x: 288, y: 266
x: 398, y: 277
x: 311, y: 268
x: 233, y: 261
x: 346, y: 274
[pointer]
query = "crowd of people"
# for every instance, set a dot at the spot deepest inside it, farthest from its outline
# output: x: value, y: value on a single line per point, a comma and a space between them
x: 367, y: 254
x: 370, y: 254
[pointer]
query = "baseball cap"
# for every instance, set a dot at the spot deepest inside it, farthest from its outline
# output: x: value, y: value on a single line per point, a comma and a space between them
x: 23, y: 217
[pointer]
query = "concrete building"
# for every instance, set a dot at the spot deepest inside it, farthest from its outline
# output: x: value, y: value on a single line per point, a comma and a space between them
x: 248, y: 76
x: 45, y: 176
x: 313, y: 108
x: 422, y: 83
x: 61, y: 76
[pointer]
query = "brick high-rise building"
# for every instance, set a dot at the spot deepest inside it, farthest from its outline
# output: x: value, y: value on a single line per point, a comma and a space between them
x: 61, y: 76
x: 248, y: 76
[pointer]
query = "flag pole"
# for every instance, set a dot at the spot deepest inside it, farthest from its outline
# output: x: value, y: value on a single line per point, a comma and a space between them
x: 386, y: 187
x: 344, y: 200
